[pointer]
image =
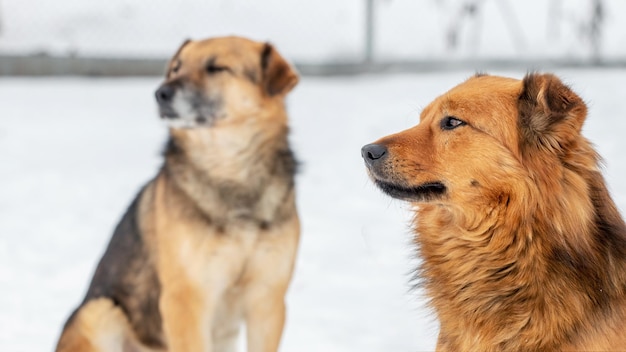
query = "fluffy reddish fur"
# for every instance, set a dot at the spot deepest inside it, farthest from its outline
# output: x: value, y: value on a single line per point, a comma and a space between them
x: 525, y: 250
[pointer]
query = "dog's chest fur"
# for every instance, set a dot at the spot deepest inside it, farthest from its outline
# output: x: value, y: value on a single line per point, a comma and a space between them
x: 210, y: 213
x: 234, y: 183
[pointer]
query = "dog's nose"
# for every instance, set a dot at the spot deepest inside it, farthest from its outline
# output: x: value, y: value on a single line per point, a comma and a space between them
x: 164, y: 94
x: 373, y: 152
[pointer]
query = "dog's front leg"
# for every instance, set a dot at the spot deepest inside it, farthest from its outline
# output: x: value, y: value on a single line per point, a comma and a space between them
x: 184, y: 311
x: 265, y: 318
x: 268, y: 275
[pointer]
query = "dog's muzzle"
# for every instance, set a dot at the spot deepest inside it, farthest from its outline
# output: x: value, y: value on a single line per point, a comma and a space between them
x: 394, y: 185
x: 165, y: 96
x: 373, y: 154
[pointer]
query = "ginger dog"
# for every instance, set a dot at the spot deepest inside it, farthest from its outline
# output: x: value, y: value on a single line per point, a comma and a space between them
x: 523, y: 248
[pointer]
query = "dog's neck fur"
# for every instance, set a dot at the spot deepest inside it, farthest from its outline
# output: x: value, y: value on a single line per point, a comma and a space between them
x: 233, y: 176
x: 495, y: 305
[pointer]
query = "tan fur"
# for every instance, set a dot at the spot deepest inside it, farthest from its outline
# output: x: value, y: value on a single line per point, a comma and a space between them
x: 219, y: 221
x: 99, y: 326
x: 525, y: 249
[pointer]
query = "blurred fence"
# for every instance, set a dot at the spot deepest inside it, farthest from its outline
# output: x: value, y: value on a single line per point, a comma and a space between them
x: 122, y: 37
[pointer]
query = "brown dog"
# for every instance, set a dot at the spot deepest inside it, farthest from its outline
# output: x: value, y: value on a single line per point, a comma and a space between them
x: 212, y: 239
x: 523, y: 248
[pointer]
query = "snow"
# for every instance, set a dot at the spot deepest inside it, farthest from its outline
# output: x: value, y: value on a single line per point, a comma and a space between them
x: 76, y: 150
x: 323, y: 30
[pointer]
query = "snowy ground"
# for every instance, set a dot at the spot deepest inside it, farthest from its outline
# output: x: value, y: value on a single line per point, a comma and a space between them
x: 75, y: 151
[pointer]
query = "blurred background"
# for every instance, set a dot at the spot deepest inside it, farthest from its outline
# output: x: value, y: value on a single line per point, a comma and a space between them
x: 80, y: 134
x: 393, y: 33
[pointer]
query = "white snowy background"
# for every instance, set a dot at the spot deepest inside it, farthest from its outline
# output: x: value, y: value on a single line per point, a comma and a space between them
x: 74, y: 151
x: 310, y: 30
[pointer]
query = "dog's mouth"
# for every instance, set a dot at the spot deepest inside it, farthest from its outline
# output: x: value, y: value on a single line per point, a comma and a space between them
x: 173, y: 119
x: 184, y: 108
x: 167, y: 113
x: 422, y: 193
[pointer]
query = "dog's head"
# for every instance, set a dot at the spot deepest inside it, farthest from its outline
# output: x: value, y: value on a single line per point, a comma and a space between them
x: 483, y: 138
x: 222, y: 79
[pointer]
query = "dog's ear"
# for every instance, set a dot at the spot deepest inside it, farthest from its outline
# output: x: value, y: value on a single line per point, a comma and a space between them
x: 171, y: 65
x: 549, y: 111
x: 279, y: 77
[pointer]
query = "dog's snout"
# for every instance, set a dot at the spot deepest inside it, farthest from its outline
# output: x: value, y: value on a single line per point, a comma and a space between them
x: 165, y: 93
x: 373, y: 152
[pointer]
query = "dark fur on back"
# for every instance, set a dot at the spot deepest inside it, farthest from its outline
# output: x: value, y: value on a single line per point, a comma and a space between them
x: 126, y: 274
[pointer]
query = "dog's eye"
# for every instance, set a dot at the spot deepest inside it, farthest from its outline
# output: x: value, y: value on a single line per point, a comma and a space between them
x: 212, y: 68
x: 176, y: 66
x: 450, y: 123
